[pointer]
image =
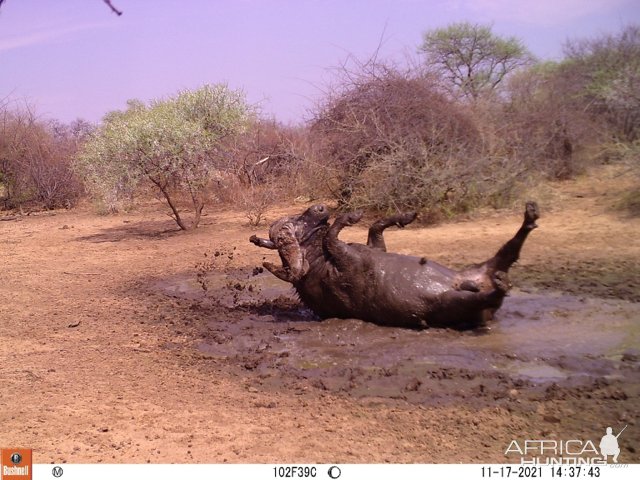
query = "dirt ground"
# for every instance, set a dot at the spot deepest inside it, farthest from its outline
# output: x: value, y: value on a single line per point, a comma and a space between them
x: 111, y: 352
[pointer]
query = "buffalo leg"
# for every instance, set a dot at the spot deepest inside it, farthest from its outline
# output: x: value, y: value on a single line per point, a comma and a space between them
x: 336, y: 248
x: 473, y: 308
x: 510, y: 251
x: 375, y: 238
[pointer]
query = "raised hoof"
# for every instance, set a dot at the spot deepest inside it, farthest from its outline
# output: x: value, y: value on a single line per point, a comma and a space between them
x: 405, y: 219
x: 501, y: 282
x: 254, y: 239
x: 531, y: 214
x: 350, y: 218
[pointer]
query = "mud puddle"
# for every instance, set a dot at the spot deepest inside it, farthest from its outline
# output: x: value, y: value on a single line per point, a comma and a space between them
x: 538, y: 339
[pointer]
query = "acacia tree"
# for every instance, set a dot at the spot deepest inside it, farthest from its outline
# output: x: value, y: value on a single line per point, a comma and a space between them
x: 177, y: 145
x: 472, y: 58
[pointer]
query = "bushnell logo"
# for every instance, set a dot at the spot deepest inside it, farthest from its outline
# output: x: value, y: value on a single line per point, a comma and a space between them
x: 16, y: 464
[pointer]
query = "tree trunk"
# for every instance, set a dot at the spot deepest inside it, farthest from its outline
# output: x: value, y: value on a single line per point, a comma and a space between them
x: 199, y: 205
x: 197, y: 198
x: 176, y: 215
x: 165, y: 192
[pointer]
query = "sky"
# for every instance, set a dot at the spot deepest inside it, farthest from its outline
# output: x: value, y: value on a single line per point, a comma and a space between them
x: 76, y: 59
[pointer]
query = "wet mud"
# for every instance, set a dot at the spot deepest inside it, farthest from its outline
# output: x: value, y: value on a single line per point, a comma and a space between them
x: 543, y: 344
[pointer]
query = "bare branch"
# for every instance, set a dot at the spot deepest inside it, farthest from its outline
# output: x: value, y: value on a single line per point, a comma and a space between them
x: 108, y: 2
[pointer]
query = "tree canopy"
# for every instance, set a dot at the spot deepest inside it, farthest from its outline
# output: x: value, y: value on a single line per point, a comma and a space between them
x: 178, y: 145
x: 605, y: 73
x: 472, y: 58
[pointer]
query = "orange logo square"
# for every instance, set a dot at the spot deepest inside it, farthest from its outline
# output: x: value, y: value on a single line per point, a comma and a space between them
x: 15, y: 464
